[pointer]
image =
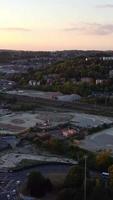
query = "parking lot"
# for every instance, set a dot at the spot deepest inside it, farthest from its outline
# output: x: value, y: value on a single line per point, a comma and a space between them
x: 99, y: 141
x: 89, y: 121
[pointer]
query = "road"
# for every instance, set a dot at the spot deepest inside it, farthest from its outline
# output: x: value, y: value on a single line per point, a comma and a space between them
x: 80, y: 106
x: 9, y: 180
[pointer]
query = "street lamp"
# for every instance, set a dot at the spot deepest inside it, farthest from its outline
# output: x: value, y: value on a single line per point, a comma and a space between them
x: 8, y: 196
x: 85, y: 176
x: 17, y: 189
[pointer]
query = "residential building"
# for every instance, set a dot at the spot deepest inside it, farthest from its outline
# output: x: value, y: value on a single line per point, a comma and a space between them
x: 88, y: 80
x: 107, y: 58
x: 101, y: 81
x: 34, y: 83
x: 111, y: 74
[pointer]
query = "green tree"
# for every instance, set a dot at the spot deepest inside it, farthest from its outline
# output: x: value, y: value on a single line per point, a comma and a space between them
x: 57, y: 146
x: 37, y: 185
x: 101, y: 192
x: 75, y: 177
x: 110, y: 170
x: 103, y: 160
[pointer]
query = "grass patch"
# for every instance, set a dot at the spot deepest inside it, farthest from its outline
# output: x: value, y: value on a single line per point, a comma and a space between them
x: 26, y: 163
x: 57, y: 179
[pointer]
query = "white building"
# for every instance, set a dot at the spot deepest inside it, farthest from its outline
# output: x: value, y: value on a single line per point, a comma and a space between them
x: 99, y: 81
x: 34, y: 83
x: 107, y: 58
x: 111, y: 74
x: 69, y: 98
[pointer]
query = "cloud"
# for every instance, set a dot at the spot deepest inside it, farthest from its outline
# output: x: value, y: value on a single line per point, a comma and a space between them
x: 105, y: 6
x: 15, y: 29
x: 92, y: 28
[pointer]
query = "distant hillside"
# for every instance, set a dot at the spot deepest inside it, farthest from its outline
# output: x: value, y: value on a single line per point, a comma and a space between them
x: 9, y: 55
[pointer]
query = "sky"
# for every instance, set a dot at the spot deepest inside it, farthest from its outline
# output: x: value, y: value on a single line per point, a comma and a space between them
x: 56, y: 24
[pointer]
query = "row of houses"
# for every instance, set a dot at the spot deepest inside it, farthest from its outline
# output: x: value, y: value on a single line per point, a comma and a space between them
x: 88, y: 80
x: 107, y: 58
x: 52, y: 78
x: 93, y: 81
x: 46, y: 80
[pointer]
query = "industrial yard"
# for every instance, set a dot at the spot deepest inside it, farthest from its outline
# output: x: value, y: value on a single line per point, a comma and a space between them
x: 18, y: 122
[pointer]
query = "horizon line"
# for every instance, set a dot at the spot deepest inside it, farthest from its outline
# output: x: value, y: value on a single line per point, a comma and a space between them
x: 6, y: 49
